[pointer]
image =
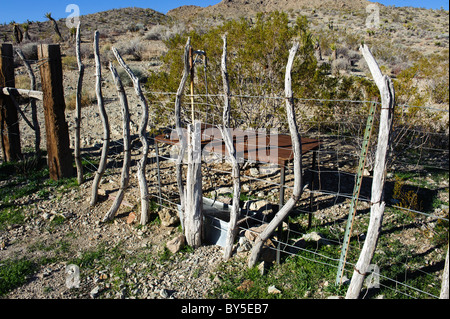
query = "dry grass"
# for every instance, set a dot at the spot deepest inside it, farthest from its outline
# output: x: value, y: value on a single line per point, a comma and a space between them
x: 86, y: 100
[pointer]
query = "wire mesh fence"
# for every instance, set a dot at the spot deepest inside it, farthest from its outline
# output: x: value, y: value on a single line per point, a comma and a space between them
x: 411, y: 250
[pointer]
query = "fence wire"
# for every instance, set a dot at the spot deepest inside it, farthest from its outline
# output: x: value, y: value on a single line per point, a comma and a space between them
x: 411, y: 249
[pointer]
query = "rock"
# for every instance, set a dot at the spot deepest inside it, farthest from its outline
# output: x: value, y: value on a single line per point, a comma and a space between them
x: 94, y: 292
x: 335, y: 297
x: 273, y: 290
x: 256, y: 206
x: 246, y: 285
x: 168, y: 217
x: 164, y: 293
x: 224, y: 190
x: 131, y: 218
x: 176, y: 244
x: 262, y: 267
x: 244, y: 246
x: 253, y: 232
x: 269, y: 169
x: 254, y: 171
x: 315, y: 237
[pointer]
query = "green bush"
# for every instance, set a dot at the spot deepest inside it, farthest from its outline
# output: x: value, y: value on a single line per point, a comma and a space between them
x: 256, y: 63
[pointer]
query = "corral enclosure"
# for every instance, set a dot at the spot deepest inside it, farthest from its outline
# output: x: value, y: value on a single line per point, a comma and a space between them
x: 410, y: 254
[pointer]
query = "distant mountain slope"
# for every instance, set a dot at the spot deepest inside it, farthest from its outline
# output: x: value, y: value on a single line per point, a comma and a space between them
x: 239, y: 8
x: 115, y: 20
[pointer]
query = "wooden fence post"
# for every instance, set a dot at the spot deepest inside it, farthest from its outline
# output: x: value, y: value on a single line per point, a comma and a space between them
x: 9, y: 119
x: 142, y: 136
x: 125, y: 176
x: 386, y: 88
x: 37, y: 129
x: 444, y: 287
x: 297, y: 149
x: 57, y: 132
x: 193, y: 218
x: 226, y: 135
x: 104, y: 116
x: 179, y: 129
x: 77, y: 156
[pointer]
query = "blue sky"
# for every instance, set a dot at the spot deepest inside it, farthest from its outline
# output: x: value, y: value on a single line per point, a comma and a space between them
x: 21, y: 10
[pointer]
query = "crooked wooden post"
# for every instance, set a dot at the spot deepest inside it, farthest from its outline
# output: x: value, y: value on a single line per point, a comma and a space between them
x: 179, y: 129
x: 297, y: 150
x: 37, y: 129
x: 57, y: 132
x: 125, y: 176
x: 104, y: 116
x: 78, y: 161
x: 142, y: 136
x: 226, y: 135
x: 9, y: 119
x: 386, y: 87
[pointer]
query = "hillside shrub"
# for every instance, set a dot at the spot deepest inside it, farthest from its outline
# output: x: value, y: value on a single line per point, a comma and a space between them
x: 257, y: 54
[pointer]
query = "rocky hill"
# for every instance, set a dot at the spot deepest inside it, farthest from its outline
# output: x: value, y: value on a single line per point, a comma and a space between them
x: 240, y: 8
x: 115, y: 21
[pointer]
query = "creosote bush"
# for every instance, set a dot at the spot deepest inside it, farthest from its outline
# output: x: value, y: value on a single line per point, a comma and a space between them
x: 257, y: 56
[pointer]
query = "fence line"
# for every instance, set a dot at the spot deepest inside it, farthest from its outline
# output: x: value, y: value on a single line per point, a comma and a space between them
x: 327, y: 168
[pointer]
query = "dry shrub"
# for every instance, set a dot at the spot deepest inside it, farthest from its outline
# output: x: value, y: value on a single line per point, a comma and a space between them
x: 86, y: 100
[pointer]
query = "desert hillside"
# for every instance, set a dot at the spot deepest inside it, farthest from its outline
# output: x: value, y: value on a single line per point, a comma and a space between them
x: 245, y: 8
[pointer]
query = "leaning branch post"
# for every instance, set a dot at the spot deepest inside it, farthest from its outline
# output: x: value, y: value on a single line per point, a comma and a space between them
x: 125, y: 176
x: 296, y: 148
x: 34, y: 118
x: 386, y: 87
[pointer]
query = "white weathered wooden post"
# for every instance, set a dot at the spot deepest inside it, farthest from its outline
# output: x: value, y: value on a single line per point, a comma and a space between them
x: 179, y: 129
x: 36, y: 127
x: 142, y: 136
x: 445, y: 278
x: 193, y: 219
x: 296, y: 148
x: 77, y: 156
x: 104, y: 118
x: 386, y: 87
x: 228, y: 139
x: 125, y: 176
